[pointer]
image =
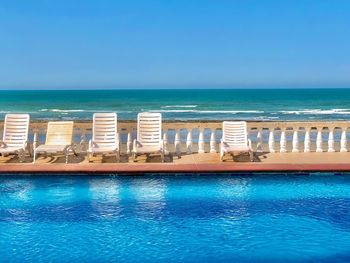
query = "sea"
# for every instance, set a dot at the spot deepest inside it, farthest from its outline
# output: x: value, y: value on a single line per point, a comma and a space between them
x: 182, y: 104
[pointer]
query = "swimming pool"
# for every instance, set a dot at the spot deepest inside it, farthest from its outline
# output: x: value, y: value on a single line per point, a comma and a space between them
x: 191, y: 218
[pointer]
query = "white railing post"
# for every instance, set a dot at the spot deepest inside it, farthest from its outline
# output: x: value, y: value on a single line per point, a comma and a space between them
x: 189, y: 141
x: 295, y: 142
x: 283, y: 141
x: 319, y: 141
x: 129, y: 143
x: 307, y: 141
x: 259, y: 141
x: 177, y: 143
x: 165, y: 142
x: 212, y: 142
x: 343, y: 141
x: 271, y: 141
x: 201, y: 141
x: 331, y: 140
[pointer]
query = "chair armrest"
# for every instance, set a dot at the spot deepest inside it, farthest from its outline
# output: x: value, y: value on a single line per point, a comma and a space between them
x: 70, y: 147
x: 3, y: 144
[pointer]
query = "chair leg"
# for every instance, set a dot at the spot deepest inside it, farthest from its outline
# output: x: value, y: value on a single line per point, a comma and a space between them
x: 134, y: 157
x: 251, y: 156
x: 21, y: 155
x: 162, y: 156
x: 117, y: 156
x: 66, y: 156
x: 89, y: 156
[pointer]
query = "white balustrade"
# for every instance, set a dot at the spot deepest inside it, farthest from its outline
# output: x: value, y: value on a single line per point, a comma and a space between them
x: 283, y: 141
x: 307, y: 141
x: 189, y: 142
x: 271, y: 141
x: 331, y: 140
x: 295, y: 142
x: 201, y: 141
x: 212, y: 142
x: 312, y: 131
x: 177, y: 143
x: 343, y: 141
x: 319, y: 141
x: 259, y: 141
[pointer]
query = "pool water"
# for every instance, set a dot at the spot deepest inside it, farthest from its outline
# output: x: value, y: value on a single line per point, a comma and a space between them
x: 189, y: 218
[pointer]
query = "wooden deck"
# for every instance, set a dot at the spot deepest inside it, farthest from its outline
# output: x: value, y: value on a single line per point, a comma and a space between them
x: 192, y: 163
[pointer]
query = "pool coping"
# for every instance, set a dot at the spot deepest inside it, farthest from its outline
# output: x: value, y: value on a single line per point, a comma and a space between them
x: 172, y: 168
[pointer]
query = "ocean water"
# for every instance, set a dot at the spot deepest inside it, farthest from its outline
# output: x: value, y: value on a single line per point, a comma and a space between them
x: 180, y: 218
x: 181, y: 104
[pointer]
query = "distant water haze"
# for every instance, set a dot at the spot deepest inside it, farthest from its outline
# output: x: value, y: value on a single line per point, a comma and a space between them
x: 182, y: 104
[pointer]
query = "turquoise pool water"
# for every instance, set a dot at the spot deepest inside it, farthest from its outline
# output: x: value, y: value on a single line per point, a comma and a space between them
x: 190, y: 218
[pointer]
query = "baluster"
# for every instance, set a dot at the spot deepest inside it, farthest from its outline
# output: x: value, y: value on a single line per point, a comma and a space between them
x: 129, y: 143
x: 331, y: 140
x: 283, y: 141
x: 36, y: 138
x: 343, y: 141
x: 272, y: 141
x: 177, y: 143
x: 212, y: 142
x: 189, y: 141
x: 307, y: 141
x: 165, y: 142
x: 295, y: 141
x: 201, y: 141
x: 259, y: 141
x: 319, y: 140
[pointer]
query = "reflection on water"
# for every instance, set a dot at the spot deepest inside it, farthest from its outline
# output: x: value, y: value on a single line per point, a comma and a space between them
x: 105, y: 198
x: 149, y: 196
x: 233, y: 188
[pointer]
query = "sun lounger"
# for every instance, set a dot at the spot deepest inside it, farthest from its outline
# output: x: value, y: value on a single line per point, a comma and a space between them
x: 59, y: 137
x: 235, y: 139
x: 15, y: 135
x: 105, y: 137
x: 149, y: 135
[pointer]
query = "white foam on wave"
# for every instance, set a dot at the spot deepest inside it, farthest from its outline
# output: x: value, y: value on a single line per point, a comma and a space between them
x: 62, y: 111
x: 231, y: 111
x: 178, y: 111
x: 208, y: 111
x: 317, y: 112
x: 180, y: 106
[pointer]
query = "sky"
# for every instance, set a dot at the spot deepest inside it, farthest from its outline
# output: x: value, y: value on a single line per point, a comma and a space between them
x: 174, y: 43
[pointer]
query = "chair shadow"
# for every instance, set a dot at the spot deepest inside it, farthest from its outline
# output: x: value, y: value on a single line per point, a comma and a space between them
x: 244, y: 158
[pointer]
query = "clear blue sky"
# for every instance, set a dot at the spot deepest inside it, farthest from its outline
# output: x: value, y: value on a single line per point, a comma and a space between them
x: 180, y: 43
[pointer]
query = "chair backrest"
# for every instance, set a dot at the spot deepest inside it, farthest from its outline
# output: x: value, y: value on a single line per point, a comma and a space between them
x: 59, y: 133
x: 149, y: 128
x: 105, y: 131
x: 234, y: 133
x: 16, y: 129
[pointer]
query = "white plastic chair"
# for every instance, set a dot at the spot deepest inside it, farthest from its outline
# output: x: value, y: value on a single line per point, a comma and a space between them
x: 235, y: 139
x: 105, y: 138
x: 15, y: 136
x: 59, y: 138
x: 149, y: 135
